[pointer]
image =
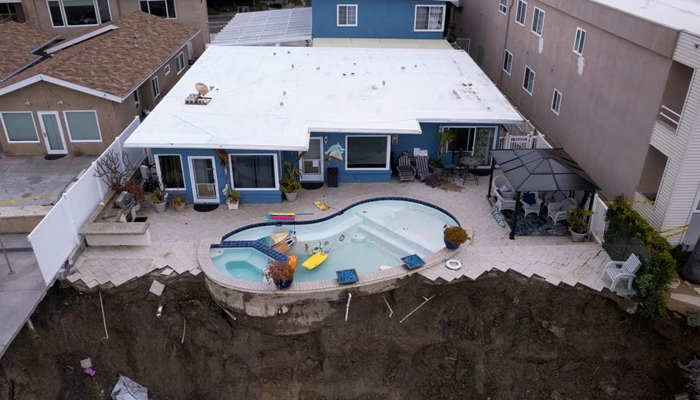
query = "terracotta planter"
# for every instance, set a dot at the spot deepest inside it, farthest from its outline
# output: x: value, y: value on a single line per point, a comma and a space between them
x: 232, y: 206
x: 179, y: 207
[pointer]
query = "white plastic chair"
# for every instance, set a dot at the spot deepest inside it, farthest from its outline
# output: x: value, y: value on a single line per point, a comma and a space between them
x: 555, y: 212
x: 532, y: 208
x: 619, y: 270
x: 503, y: 203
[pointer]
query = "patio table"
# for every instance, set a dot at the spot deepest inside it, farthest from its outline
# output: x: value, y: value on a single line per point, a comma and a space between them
x: 470, y: 163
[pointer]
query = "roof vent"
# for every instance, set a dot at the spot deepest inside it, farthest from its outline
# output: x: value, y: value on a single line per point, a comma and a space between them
x: 198, y: 98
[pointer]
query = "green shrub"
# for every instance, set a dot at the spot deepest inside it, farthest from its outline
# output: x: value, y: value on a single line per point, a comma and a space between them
x: 627, y: 230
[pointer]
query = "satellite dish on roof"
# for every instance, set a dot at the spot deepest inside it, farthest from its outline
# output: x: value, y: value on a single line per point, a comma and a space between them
x: 202, y: 89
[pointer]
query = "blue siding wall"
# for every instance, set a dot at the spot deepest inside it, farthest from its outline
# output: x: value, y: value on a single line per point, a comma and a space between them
x: 379, y: 19
x: 255, y: 196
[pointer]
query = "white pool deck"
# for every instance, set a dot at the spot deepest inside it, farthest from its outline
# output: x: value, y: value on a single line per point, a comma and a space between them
x: 176, y: 237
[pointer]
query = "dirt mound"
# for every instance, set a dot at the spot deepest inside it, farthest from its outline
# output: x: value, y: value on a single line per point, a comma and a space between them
x: 502, y: 337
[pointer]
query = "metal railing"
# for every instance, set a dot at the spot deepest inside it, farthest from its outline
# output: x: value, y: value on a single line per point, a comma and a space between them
x: 671, y: 117
x: 463, y: 44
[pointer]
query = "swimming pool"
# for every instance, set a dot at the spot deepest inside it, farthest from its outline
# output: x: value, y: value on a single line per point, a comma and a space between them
x: 368, y: 236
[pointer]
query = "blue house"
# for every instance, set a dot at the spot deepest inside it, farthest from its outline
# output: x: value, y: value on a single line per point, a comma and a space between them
x: 380, y: 19
x: 351, y: 109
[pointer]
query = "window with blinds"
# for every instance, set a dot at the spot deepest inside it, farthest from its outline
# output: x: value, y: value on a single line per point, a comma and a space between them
x: 367, y: 152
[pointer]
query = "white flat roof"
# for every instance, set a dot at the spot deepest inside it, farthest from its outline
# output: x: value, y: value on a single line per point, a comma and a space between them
x: 266, y: 27
x: 272, y: 98
x: 675, y: 14
x: 384, y: 43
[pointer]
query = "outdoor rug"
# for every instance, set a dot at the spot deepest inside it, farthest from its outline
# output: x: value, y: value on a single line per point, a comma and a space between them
x: 205, y: 207
x: 535, y: 225
x: 52, y: 157
x: 312, y: 185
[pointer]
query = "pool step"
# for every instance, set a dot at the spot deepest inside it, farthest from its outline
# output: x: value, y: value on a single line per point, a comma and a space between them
x: 330, y: 230
x: 402, y: 244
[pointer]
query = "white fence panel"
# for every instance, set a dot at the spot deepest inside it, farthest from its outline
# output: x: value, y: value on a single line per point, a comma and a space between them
x: 598, y: 224
x: 53, y: 239
x: 135, y: 155
x: 56, y: 236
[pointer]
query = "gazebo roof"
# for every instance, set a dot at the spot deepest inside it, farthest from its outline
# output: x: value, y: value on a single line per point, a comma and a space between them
x: 540, y: 170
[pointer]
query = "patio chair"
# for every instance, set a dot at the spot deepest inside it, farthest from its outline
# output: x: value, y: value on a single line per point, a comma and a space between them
x: 504, y: 193
x: 557, y: 211
x: 527, y: 202
x: 620, y: 270
x: 477, y: 172
x: 448, y: 164
x: 425, y: 172
x: 405, y: 169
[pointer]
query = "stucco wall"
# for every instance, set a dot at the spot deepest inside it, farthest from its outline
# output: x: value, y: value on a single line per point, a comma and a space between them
x: 387, y: 19
x: 610, y: 96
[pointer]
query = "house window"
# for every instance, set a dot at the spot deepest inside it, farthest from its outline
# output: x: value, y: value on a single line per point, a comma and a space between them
x: 254, y: 171
x: 429, y: 19
x: 538, y: 22
x: 579, y: 41
x: 180, y: 62
x: 155, y: 86
x: 167, y: 69
x: 503, y: 6
x: 347, y: 14
x: 367, y: 152
x: 78, y: 12
x: 160, y: 8
x: 170, y: 171
x: 19, y: 127
x: 529, y: 80
x: 521, y: 13
x: 556, y: 101
x: 83, y: 126
x: 508, y: 62
x: 137, y: 101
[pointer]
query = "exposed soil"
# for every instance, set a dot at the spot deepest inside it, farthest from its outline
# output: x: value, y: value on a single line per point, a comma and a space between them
x: 500, y: 338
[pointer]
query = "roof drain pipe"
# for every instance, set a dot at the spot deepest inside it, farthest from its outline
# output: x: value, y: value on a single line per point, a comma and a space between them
x: 505, y: 41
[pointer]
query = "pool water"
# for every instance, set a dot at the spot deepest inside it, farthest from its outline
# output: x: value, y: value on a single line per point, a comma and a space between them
x: 365, y: 237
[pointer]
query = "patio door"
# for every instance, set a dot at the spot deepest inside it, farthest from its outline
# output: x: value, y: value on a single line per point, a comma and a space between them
x: 52, y: 132
x: 204, y: 181
x: 312, y: 162
x: 484, y: 143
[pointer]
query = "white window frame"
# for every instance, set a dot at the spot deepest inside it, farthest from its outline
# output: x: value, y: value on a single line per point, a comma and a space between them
x: 534, y: 19
x: 517, y: 13
x: 503, y: 7
x: 166, y: 69
x: 583, y: 41
x: 534, y: 76
x: 155, y: 88
x: 7, y: 134
x: 217, y: 189
x: 276, y: 168
x: 70, y: 137
x: 98, y: 17
x: 505, y: 57
x: 137, y: 99
x: 415, y: 17
x: 554, y: 98
x: 181, y: 55
x: 160, y: 173
x: 388, y: 154
x: 337, y: 16
x: 138, y: 7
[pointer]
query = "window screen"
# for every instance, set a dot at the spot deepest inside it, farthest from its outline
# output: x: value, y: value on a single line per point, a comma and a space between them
x: 367, y: 152
x: 253, y: 172
x: 82, y: 125
x: 20, y: 127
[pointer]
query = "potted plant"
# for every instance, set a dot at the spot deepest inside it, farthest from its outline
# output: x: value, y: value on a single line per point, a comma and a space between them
x: 159, y: 199
x: 444, y: 137
x: 135, y: 189
x: 232, y: 197
x: 290, y: 181
x: 454, y: 236
x: 279, y: 272
x: 179, y: 201
x: 577, y: 220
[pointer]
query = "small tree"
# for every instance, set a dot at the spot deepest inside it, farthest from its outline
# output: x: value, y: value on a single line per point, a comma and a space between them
x: 114, y: 169
x: 443, y: 137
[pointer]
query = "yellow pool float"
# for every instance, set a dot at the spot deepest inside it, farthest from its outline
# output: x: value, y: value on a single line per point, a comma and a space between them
x: 315, y: 260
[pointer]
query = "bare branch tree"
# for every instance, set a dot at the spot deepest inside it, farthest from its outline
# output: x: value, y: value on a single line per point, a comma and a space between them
x: 114, y: 170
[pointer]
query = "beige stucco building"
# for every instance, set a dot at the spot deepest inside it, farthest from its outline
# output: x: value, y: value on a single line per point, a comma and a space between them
x: 614, y: 82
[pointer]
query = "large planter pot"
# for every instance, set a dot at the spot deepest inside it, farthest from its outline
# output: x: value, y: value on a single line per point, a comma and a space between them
x: 291, y: 196
x: 137, y: 207
x: 451, y: 246
x: 284, y: 285
x: 160, y: 207
x: 179, y: 207
x: 578, y: 237
x: 232, y: 206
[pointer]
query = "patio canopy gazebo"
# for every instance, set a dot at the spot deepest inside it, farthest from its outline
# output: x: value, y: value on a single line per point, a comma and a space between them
x: 541, y: 170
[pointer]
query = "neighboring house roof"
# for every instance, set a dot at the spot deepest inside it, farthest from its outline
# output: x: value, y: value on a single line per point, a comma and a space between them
x: 266, y: 27
x: 18, y: 45
x: 271, y: 98
x: 682, y: 15
x: 114, y: 63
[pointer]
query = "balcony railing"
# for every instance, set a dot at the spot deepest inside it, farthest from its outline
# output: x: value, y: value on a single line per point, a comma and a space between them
x: 670, y: 117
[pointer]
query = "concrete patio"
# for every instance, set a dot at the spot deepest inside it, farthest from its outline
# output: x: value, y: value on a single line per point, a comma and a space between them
x: 176, y: 236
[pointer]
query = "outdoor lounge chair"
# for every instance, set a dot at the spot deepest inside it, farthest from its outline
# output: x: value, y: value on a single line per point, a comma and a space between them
x: 425, y: 172
x: 531, y: 208
x: 505, y: 195
x: 448, y: 164
x: 405, y: 169
x: 557, y: 211
x: 619, y: 270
